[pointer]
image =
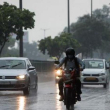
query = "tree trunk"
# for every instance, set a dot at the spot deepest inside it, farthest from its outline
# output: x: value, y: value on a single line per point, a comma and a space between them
x: 2, y: 47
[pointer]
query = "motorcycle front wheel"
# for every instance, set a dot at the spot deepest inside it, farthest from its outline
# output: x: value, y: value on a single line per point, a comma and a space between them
x: 67, y: 98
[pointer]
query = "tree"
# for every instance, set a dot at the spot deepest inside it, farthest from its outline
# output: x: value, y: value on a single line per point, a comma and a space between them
x: 8, y: 46
x: 35, y: 53
x: 91, y: 33
x: 59, y: 44
x: 30, y: 46
x: 11, y: 20
x: 103, y: 15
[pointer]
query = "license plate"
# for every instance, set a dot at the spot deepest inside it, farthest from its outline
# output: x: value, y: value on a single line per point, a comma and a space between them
x: 90, y: 78
x: 4, y: 83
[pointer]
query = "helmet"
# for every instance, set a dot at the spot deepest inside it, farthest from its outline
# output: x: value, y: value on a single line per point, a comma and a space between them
x: 70, y: 51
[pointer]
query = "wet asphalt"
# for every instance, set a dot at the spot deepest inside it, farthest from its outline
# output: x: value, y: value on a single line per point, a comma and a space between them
x: 46, y: 97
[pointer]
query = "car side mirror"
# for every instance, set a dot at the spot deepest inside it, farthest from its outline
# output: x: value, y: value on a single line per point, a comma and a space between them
x: 31, y: 68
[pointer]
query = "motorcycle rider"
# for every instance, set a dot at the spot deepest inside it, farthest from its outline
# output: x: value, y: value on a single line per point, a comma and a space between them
x: 71, y: 61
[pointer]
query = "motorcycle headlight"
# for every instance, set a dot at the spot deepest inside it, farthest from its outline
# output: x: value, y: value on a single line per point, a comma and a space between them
x: 20, y: 77
x: 59, y: 72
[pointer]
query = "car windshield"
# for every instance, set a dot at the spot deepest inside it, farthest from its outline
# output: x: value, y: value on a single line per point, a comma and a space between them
x: 12, y: 64
x: 96, y: 64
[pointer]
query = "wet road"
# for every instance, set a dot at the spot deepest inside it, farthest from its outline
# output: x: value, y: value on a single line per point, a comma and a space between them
x: 46, y: 98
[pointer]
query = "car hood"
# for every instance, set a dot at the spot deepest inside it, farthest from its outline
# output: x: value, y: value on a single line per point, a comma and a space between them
x: 93, y: 71
x: 12, y: 72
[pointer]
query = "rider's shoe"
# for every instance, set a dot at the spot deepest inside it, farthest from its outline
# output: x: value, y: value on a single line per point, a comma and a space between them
x: 78, y: 97
x: 61, y: 98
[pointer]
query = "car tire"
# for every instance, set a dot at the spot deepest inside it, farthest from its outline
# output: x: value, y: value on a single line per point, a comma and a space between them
x: 36, y: 84
x: 27, y: 89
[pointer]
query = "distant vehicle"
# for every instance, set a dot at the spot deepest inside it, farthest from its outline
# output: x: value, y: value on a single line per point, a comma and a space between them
x: 17, y: 74
x: 96, y: 72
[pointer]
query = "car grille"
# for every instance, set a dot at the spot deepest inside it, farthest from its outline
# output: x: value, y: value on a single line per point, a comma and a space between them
x: 86, y: 75
x: 12, y: 86
x: 95, y: 80
x: 95, y: 75
x: 91, y: 75
x: 8, y: 77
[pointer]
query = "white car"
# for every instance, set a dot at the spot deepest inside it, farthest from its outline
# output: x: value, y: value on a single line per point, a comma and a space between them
x: 17, y: 73
x: 96, y: 72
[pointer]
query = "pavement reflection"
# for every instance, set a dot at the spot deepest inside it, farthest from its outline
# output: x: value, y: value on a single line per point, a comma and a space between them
x: 21, y: 102
x: 58, y: 103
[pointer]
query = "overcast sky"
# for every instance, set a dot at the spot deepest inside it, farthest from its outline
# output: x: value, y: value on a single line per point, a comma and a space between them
x: 52, y: 14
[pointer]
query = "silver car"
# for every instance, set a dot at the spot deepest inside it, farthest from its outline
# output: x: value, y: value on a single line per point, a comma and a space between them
x: 17, y: 74
x: 96, y: 72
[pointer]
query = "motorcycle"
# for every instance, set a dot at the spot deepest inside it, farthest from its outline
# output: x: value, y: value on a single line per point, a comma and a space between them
x: 70, y: 98
x: 70, y: 94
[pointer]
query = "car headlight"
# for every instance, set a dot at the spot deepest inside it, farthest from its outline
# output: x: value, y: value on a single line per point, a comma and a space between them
x: 102, y: 74
x: 20, y: 77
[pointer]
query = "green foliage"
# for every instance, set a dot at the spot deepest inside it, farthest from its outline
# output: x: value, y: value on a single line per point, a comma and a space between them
x: 92, y: 33
x: 56, y: 46
x: 9, y: 49
x: 10, y: 44
x: 11, y: 20
x: 102, y: 14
